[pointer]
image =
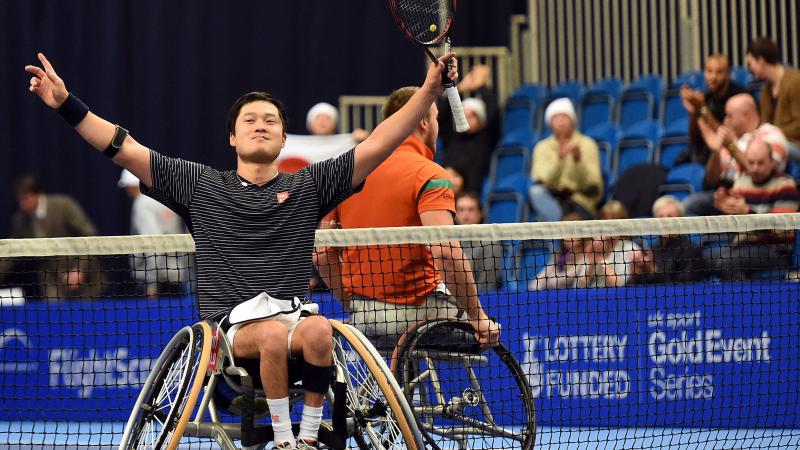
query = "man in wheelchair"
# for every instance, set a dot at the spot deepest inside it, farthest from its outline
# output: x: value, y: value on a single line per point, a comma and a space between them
x: 254, y: 226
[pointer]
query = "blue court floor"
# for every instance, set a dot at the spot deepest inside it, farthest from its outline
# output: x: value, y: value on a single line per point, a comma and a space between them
x: 105, y: 435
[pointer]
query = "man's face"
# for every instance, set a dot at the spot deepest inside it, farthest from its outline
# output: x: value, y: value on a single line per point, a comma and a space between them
x: 322, y: 124
x: 738, y: 119
x: 28, y: 202
x: 760, y: 164
x: 717, y: 74
x: 258, y: 133
x: 561, y: 125
x: 757, y: 66
x: 468, y: 211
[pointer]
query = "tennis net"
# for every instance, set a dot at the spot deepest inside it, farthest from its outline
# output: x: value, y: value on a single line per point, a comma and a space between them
x: 645, y: 333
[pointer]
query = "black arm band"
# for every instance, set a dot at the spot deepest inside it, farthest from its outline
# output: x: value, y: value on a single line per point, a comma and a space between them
x: 116, y: 142
x: 73, y: 110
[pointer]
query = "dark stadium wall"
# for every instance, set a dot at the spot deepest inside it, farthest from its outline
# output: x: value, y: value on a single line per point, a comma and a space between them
x: 169, y: 71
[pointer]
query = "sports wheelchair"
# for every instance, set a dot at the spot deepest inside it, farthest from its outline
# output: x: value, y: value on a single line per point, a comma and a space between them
x: 365, y: 407
x: 463, y: 396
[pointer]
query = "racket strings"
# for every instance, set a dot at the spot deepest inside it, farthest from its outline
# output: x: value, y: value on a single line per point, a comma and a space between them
x: 426, y: 21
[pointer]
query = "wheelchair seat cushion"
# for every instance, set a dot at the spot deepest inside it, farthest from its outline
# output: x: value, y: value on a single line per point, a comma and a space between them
x: 449, y: 337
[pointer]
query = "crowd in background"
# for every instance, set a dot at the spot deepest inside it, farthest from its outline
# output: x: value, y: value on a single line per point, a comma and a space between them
x: 744, y: 143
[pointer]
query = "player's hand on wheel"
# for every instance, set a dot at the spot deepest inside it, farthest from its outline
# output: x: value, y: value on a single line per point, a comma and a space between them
x: 46, y: 83
x: 487, y: 331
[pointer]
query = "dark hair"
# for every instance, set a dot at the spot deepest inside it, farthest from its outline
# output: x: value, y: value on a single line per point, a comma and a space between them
x: 469, y: 194
x: 397, y: 100
x: 764, y: 47
x: 26, y: 184
x: 251, y: 97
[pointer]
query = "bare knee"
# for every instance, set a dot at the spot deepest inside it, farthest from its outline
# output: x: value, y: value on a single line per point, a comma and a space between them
x: 317, y: 336
x: 271, y: 338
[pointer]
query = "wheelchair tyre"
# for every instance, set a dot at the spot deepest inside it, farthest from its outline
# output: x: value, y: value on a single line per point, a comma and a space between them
x: 170, y: 392
x: 451, y: 405
x: 376, y: 408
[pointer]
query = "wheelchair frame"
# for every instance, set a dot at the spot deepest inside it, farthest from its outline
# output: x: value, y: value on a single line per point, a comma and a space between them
x: 197, y: 356
x: 466, y: 416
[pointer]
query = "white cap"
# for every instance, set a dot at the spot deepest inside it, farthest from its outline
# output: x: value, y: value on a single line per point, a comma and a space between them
x: 127, y: 179
x: 477, y: 106
x: 321, y: 108
x: 559, y: 106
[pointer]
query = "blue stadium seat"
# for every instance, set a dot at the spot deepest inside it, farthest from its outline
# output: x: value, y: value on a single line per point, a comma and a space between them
x: 693, y: 79
x: 506, y: 207
x: 605, y: 132
x: 669, y: 148
x: 611, y: 86
x: 679, y: 127
x: 793, y: 169
x: 533, y: 258
x: 652, y: 84
x: 515, y: 182
x: 689, y: 173
x: 631, y: 152
x: 518, y: 114
x: 672, y: 109
x: 741, y: 75
x: 606, y: 152
x: 572, y: 89
x: 533, y: 92
x: 646, y: 129
x: 595, y: 108
x: 521, y: 137
x: 633, y: 107
x: 509, y: 161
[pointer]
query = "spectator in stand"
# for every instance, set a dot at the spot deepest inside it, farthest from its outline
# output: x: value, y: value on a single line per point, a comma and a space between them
x: 568, y: 264
x: 44, y: 215
x: 612, y: 259
x: 471, y: 152
x: 780, y: 96
x: 720, y: 88
x: 566, y: 168
x: 486, y: 256
x: 672, y: 258
x: 156, y: 274
x: 761, y: 190
x: 323, y: 118
x: 742, y: 123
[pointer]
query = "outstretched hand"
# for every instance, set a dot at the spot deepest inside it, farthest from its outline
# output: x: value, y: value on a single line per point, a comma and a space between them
x: 46, y: 83
x: 433, y: 80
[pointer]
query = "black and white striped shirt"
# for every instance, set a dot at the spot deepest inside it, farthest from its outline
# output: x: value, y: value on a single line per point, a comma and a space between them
x: 250, y: 238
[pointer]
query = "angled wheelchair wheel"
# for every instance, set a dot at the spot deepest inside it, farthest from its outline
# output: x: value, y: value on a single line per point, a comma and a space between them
x: 463, y: 396
x: 377, y: 414
x: 170, y: 392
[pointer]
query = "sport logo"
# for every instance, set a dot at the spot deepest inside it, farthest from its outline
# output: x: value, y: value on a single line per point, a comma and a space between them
x: 282, y: 196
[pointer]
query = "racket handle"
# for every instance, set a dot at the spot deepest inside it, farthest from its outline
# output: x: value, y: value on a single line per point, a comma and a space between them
x: 458, y: 110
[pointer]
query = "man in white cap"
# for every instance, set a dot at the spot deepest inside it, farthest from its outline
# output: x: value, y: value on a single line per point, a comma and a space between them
x: 566, y: 168
x: 156, y: 274
x: 322, y: 119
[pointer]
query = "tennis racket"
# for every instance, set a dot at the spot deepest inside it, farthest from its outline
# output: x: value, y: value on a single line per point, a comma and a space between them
x: 428, y: 23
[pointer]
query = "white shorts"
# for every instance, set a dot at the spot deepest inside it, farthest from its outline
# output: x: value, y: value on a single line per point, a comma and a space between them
x: 291, y: 321
x: 264, y: 307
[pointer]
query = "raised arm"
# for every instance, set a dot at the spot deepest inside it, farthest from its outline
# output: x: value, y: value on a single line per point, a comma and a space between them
x: 97, y: 131
x: 395, y: 129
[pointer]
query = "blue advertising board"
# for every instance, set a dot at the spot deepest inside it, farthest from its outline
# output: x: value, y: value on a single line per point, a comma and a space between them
x: 703, y: 355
